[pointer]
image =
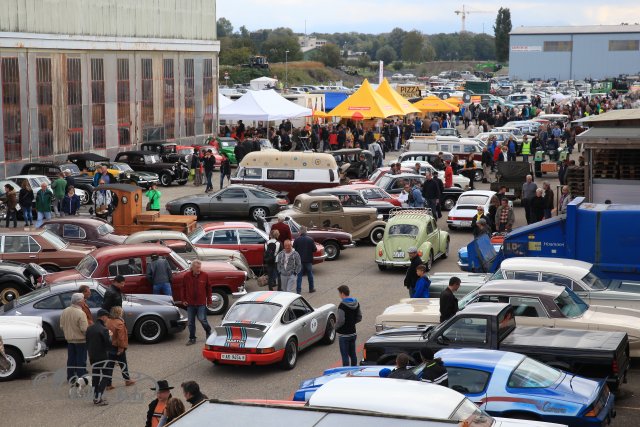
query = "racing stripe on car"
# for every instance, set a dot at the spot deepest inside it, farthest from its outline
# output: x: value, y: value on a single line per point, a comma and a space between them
x: 236, y: 336
x: 264, y: 296
x: 511, y: 399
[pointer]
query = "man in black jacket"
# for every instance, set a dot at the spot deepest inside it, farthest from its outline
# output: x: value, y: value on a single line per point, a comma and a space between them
x: 441, y: 189
x: 411, y: 277
x: 192, y: 393
x: 448, y: 301
x: 113, y: 294
x: 434, y: 371
x: 431, y: 193
x: 98, y: 346
x: 209, y: 163
x: 305, y: 246
x: 348, y: 315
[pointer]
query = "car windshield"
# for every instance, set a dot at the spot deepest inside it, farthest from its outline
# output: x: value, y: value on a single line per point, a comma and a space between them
x: 151, y: 159
x: 403, y: 230
x: 123, y: 167
x: 54, y: 239
x: 472, y: 200
x: 468, y: 299
x: 105, y: 229
x: 251, y: 312
x: 87, y: 266
x: 196, y: 234
x: 533, y: 374
x: 375, y: 175
x: 570, y: 304
x: 470, y: 415
x: 229, y: 143
x: 594, y: 282
x: 32, y: 296
x: 385, y: 181
x: 179, y: 260
x: 73, y: 168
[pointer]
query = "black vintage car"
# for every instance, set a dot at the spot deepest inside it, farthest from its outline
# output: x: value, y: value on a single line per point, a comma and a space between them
x: 86, y: 164
x: 18, y: 279
x: 52, y: 171
x: 168, y: 151
x: 393, y: 184
x: 148, y: 161
x: 355, y: 162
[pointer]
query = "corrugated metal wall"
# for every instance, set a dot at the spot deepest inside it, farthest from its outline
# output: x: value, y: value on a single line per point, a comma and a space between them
x: 172, y: 19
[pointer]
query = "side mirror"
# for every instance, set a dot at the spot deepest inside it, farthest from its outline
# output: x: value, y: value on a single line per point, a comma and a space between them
x: 440, y: 340
x: 219, y: 197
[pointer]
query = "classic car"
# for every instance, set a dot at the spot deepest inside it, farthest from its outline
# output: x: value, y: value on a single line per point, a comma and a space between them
x: 183, y: 245
x: 394, y: 184
x: 372, y: 192
x: 36, y: 180
x: 87, y: 164
x: 52, y: 171
x: 333, y: 240
x: 131, y: 261
x: 263, y: 328
x: 407, y: 228
x: 41, y: 247
x: 353, y: 199
x: 23, y: 343
x: 537, y: 304
x: 408, y: 159
x: 168, y: 151
x: 18, y: 279
x: 467, y: 207
x: 125, y: 174
x: 244, y: 237
x: 448, y: 132
x: 149, y: 318
x: 326, y: 211
x: 87, y: 231
x: 356, y: 163
x: 239, y: 200
x: 146, y: 161
x: 226, y: 146
x: 458, y: 180
x: 502, y: 384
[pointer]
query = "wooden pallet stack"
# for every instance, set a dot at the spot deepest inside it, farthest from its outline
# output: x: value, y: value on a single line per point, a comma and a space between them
x: 629, y: 165
x: 575, y: 179
x: 605, y: 164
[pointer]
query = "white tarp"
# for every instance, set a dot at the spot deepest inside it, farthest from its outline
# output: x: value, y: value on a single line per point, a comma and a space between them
x: 264, y: 105
x: 223, y: 101
x: 263, y: 83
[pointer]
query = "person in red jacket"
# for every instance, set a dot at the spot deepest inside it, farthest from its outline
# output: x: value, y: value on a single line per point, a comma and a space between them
x: 448, y: 175
x: 196, y: 296
x: 284, y: 230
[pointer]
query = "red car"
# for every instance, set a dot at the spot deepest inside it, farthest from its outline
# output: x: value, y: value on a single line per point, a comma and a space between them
x: 131, y: 261
x: 377, y: 174
x: 372, y: 192
x: 243, y: 237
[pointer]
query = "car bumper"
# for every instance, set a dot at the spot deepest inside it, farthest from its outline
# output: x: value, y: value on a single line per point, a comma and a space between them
x: 242, y: 291
x: 319, y: 259
x: 459, y: 223
x: 463, y: 266
x: 250, y: 359
x: 147, y: 182
x: 178, y: 325
x: 393, y: 263
x: 348, y: 245
x: 40, y: 351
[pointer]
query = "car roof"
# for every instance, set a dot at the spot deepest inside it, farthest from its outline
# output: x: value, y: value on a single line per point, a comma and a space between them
x: 227, y: 225
x: 71, y: 285
x: 27, y: 176
x: 310, y: 197
x: 406, y: 175
x: 160, y: 234
x: 480, y: 358
x: 138, y: 247
x: 547, y: 265
x: 524, y: 287
x: 390, y: 396
x: 141, y: 152
x: 276, y: 297
x: 491, y: 308
x: 76, y: 220
x: 478, y: 193
x: 399, y: 215
x: 334, y: 190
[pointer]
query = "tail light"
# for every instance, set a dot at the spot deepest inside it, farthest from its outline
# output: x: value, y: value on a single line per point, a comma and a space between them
x: 614, y: 367
x: 282, y: 202
x: 380, y: 252
x: 420, y: 254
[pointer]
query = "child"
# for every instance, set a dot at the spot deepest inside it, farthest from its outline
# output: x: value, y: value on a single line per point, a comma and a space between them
x: 423, y: 283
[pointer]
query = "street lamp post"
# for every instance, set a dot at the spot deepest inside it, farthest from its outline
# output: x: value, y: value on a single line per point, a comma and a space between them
x: 286, y: 69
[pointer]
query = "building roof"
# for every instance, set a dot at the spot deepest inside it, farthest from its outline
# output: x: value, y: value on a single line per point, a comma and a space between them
x: 611, y: 137
x: 611, y: 116
x: 577, y: 29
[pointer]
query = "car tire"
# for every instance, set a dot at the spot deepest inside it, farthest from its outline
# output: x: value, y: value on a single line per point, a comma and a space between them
x: 448, y: 204
x: 329, y: 331
x: 165, y: 179
x: 15, y: 359
x: 382, y: 267
x: 149, y: 330
x: 182, y: 181
x: 259, y: 212
x: 445, y: 254
x: 50, y: 268
x: 376, y: 235
x: 190, y: 210
x: 220, y: 302
x: 429, y: 263
x: 6, y: 291
x: 49, y: 337
x: 332, y: 250
x: 478, y: 176
x: 84, y: 200
x: 290, y: 357
x: 451, y: 227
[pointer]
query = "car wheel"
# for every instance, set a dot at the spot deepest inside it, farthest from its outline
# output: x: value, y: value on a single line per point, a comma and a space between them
x: 376, y: 235
x: 192, y: 210
x: 49, y: 337
x: 165, y: 179
x: 429, y: 263
x: 330, y: 331
x: 478, y: 176
x: 451, y: 227
x: 219, y: 302
x: 182, y: 182
x: 290, y: 354
x: 50, y: 268
x: 149, y: 330
x: 382, y: 267
x: 448, y: 204
x: 8, y: 293
x: 84, y: 198
x: 259, y: 212
x: 332, y: 250
x: 446, y: 250
x: 15, y: 361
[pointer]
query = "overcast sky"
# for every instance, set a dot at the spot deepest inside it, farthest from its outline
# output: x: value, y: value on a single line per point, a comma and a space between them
x: 428, y: 16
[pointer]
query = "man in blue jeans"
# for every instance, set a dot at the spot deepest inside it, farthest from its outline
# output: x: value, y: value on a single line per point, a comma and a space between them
x: 159, y: 274
x: 197, y: 294
x: 74, y: 324
x: 348, y: 315
x: 305, y: 246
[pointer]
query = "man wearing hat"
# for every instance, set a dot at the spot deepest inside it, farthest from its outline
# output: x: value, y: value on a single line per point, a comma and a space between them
x: 156, y: 407
x: 411, y: 278
x: 98, y: 346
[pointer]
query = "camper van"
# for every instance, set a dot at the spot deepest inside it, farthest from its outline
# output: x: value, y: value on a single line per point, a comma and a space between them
x: 294, y: 172
x: 460, y: 147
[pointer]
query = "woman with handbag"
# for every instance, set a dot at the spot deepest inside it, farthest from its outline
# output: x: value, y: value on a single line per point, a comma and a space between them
x: 154, y: 198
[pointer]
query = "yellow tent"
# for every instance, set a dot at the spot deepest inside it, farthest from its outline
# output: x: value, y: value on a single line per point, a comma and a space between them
x: 433, y: 104
x: 454, y: 101
x: 391, y: 95
x: 366, y: 102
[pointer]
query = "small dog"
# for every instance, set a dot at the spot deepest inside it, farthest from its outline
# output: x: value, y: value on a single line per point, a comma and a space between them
x: 80, y: 387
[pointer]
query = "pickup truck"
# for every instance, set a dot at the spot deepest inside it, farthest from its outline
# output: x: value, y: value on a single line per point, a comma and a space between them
x: 595, y: 354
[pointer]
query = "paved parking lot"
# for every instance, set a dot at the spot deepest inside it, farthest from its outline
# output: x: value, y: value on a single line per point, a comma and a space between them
x: 39, y: 399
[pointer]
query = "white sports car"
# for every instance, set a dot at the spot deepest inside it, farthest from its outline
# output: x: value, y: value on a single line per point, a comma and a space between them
x: 23, y: 339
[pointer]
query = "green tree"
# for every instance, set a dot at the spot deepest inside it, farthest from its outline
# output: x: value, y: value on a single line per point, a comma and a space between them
x: 364, y: 61
x: 398, y: 65
x: 484, y: 46
x: 329, y: 55
x: 501, y: 29
x: 224, y: 27
x: 235, y: 56
x: 466, y: 47
x: 428, y: 53
x: 412, y: 46
x: 396, y: 39
x: 278, y: 42
x: 387, y: 54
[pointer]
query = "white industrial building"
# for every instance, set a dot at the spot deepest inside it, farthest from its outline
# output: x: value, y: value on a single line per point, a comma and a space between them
x: 103, y: 76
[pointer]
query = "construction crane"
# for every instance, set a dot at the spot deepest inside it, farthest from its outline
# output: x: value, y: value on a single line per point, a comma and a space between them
x: 463, y: 14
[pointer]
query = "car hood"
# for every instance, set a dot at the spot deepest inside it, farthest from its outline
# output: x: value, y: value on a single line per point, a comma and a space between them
x: 411, y: 311
x: 217, y: 266
x: 142, y: 174
x: 77, y: 247
x: 12, y: 267
x: 575, y: 389
x: 114, y: 239
x: 20, y: 327
x: 613, y: 319
x: 335, y: 232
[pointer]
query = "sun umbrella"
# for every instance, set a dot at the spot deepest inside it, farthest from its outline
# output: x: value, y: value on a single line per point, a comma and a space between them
x: 366, y: 102
x: 433, y: 104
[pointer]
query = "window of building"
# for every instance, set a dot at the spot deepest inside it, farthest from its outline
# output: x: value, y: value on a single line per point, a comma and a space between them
x: 147, y: 92
x: 622, y: 45
x: 124, y: 103
x: 564, y: 46
x: 11, y: 119
x: 169, y: 99
x: 74, y: 106
x: 97, y: 103
x: 44, y: 95
x: 209, y: 96
x: 189, y: 98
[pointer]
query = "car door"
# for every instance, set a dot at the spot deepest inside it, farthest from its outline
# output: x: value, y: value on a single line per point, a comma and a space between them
x: 433, y: 236
x: 306, y: 325
x: 470, y: 382
x: 465, y: 332
x: 332, y: 215
x: 252, y: 246
x: 53, y: 306
x: 232, y: 201
x: 20, y: 249
x: 135, y: 279
x: 530, y: 311
x: 225, y: 239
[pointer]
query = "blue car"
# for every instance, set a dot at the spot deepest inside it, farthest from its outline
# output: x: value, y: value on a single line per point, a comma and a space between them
x: 506, y: 384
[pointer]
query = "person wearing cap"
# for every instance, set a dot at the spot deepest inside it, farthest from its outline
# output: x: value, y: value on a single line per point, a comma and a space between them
x: 422, y: 284
x: 411, y: 277
x: 98, y: 347
x: 71, y: 181
x: 74, y: 324
x: 156, y: 407
x: 434, y: 371
x: 477, y: 217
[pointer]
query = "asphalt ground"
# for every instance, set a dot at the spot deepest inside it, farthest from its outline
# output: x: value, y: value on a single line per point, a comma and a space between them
x: 40, y: 397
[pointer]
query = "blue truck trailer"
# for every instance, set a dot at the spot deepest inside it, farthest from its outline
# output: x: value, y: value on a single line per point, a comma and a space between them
x: 607, y: 236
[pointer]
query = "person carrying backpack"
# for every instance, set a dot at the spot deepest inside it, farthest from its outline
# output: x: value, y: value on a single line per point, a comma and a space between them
x: 271, y: 250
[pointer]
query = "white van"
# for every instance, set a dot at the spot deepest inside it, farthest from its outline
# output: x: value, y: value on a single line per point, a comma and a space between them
x: 519, y: 99
x: 460, y: 147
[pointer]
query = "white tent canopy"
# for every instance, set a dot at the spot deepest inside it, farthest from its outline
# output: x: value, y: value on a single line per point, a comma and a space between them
x: 264, y: 105
x: 263, y: 83
x: 223, y: 101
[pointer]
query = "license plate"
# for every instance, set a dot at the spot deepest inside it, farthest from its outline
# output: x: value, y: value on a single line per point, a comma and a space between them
x: 237, y: 357
x: 511, y: 192
x: 465, y: 223
x: 398, y: 254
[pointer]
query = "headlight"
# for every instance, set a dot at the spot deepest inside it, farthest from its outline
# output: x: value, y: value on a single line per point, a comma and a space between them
x: 380, y: 217
x: 173, y: 167
x: 128, y: 175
